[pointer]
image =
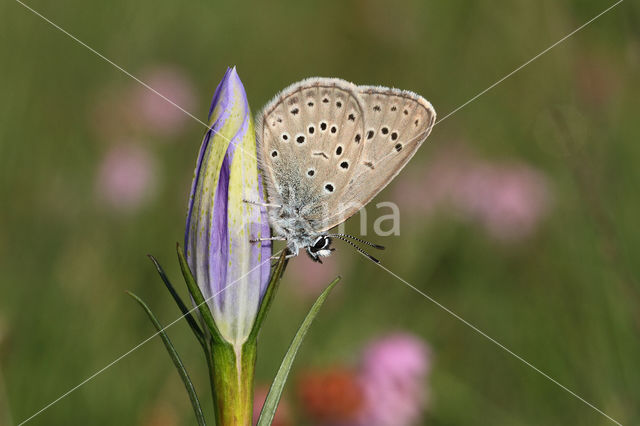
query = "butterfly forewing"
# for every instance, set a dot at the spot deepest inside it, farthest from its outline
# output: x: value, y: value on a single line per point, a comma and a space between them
x: 396, y: 123
x: 310, y: 141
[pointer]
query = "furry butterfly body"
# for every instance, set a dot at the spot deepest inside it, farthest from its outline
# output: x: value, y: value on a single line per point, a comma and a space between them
x: 327, y: 147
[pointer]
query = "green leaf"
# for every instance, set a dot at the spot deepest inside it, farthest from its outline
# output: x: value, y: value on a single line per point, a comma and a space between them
x: 176, y: 361
x: 272, y: 288
x: 275, y: 392
x: 183, y: 308
x: 198, y: 298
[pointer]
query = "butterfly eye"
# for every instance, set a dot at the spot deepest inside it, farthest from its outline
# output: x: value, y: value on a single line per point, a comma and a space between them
x: 398, y: 147
x: 309, y: 104
x: 393, y: 108
x: 295, y: 111
x: 357, y: 138
x: 344, y: 165
x: 377, y: 108
x: 352, y: 117
x: 320, y: 243
x: 300, y: 139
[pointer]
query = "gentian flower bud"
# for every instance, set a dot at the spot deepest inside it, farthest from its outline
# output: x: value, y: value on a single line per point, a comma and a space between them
x: 231, y: 270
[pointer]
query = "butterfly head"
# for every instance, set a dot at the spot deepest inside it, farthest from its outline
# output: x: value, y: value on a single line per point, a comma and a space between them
x: 320, y: 248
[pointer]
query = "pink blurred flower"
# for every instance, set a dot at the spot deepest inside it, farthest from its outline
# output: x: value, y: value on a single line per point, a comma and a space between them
x: 283, y: 412
x: 508, y: 200
x: 393, y: 378
x: 309, y: 277
x: 155, y: 113
x: 126, y: 178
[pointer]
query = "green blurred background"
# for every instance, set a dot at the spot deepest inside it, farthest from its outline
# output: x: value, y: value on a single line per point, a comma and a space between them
x: 565, y: 296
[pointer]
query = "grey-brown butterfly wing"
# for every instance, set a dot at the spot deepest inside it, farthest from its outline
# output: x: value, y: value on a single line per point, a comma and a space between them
x: 396, y: 124
x: 309, y: 141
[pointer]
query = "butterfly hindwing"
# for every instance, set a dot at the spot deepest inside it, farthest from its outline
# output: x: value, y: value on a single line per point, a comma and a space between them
x: 396, y: 123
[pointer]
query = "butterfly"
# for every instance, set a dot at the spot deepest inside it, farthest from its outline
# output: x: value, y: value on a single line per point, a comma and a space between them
x: 326, y: 147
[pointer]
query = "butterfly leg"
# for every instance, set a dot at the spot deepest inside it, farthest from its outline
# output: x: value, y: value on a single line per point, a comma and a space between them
x: 258, y: 240
x: 258, y: 203
x: 289, y: 256
x: 277, y: 258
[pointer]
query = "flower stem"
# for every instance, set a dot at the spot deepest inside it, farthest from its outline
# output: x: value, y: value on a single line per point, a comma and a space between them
x: 232, y: 379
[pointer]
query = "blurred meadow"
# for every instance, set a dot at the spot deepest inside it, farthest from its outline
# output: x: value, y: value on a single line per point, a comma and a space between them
x: 520, y: 212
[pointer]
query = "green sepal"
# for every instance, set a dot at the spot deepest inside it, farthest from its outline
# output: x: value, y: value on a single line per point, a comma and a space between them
x: 275, y: 391
x: 198, y: 298
x: 183, y: 308
x: 176, y: 361
x: 232, y: 373
x: 269, y: 294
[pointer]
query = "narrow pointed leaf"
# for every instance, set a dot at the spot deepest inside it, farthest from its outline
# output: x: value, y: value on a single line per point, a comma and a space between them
x: 183, y: 308
x: 176, y: 361
x: 275, y: 392
x: 198, y: 298
x: 272, y: 288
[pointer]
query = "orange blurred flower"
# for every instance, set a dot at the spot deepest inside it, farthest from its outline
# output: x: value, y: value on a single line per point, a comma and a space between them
x: 331, y: 397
